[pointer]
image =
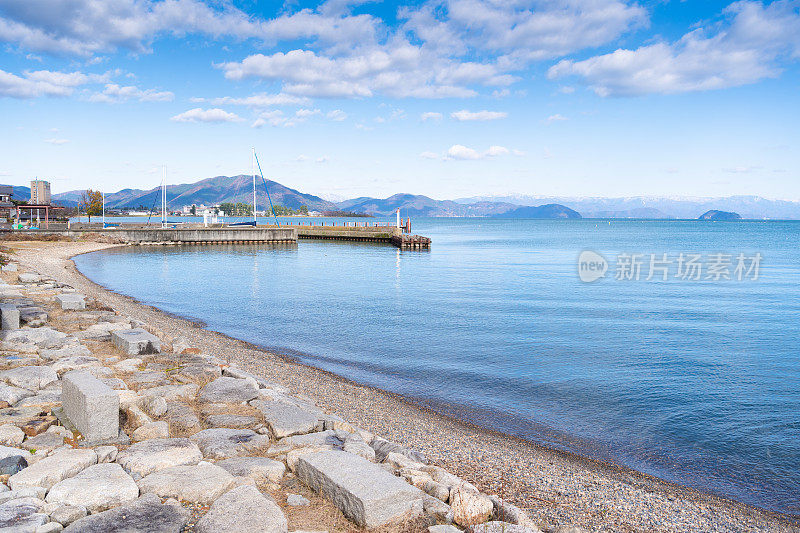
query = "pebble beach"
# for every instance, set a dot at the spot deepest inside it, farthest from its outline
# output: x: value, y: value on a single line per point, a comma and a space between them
x: 532, y: 487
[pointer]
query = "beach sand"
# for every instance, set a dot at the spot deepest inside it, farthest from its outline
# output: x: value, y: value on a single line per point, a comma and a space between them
x: 555, y: 487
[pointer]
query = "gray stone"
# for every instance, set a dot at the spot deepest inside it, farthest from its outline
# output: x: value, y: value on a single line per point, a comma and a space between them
x: 67, y: 514
x: 30, y: 377
x: 260, y: 469
x: 136, y: 341
x: 33, y: 316
x: 114, y: 383
x: 22, y: 515
x: 78, y: 362
x: 12, y: 395
x: 285, y: 420
x: 102, y: 330
x: 501, y: 527
x: 106, y: 454
x: 46, y: 441
x: 11, y: 465
x: 145, y: 379
x: 508, y: 512
x: 29, y: 277
x: 181, y: 417
x: 222, y: 443
x: 71, y: 301
x: 229, y: 390
x: 92, y: 406
x: 196, y: 373
x: 146, y: 514
x: 9, y: 316
x: 154, y: 405
x: 201, y: 483
x: 173, y: 393
x: 70, y: 350
x: 384, y: 447
x: 357, y: 446
x: 295, y: 500
x: 9, y: 267
x: 152, y: 430
x: 11, y: 435
x: 129, y: 365
x: 443, y: 528
x: 152, y: 455
x: 321, y: 438
x: 44, y: 401
x: 99, y: 487
x: 364, y: 492
x: 243, y: 509
x: 469, y: 506
x: 232, y: 421
x: 51, y: 470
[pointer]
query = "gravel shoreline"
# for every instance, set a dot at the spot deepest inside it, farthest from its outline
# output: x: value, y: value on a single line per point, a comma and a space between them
x: 554, y: 487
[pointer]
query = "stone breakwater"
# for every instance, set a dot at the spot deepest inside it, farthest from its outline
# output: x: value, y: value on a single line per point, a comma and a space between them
x: 106, y: 425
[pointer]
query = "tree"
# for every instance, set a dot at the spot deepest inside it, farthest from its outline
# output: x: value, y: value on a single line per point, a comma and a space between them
x: 194, y: 210
x: 92, y: 203
x: 304, y: 210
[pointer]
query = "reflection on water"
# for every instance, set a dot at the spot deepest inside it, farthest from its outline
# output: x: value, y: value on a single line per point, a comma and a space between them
x: 695, y: 382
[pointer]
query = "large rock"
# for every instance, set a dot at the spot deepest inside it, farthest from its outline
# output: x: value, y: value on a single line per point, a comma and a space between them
x: 136, y: 341
x: 30, y: 377
x: 364, y: 492
x: 469, y: 506
x: 146, y: 514
x: 11, y: 394
x: 152, y: 455
x: 78, y: 362
x: 99, y: 487
x: 51, y: 470
x: 22, y: 515
x: 384, y: 447
x: 173, y: 393
x: 243, y: 509
x: 222, y: 443
x: 201, y: 483
x: 42, y: 337
x: 102, y: 330
x: 70, y: 350
x: 92, y: 406
x: 11, y: 435
x: 9, y: 317
x: 29, y: 277
x: 71, y: 301
x: 224, y: 420
x: 181, y: 417
x: 152, y: 430
x: 260, y: 469
x: 502, y: 527
x: 229, y: 390
x: 285, y: 420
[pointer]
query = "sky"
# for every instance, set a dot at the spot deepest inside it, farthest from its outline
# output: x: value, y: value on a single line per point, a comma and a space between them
x: 447, y: 98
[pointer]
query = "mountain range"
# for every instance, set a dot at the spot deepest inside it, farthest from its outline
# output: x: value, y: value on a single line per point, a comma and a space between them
x: 234, y: 189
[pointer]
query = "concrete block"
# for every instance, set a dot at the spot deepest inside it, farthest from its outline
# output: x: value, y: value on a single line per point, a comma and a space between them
x: 364, y: 492
x: 72, y: 301
x: 136, y: 341
x: 10, y: 267
x: 9, y: 316
x: 92, y: 406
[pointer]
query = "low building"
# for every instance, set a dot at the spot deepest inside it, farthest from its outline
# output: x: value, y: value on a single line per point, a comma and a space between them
x: 6, y: 206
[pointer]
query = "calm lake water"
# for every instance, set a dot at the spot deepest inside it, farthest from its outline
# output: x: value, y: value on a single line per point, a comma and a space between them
x: 694, y: 381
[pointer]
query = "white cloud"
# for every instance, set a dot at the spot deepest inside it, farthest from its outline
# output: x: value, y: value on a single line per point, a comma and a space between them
x: 257, y: 100
x: 431, y: 115
x: 744, y: 49
x: 56, y: 141
x: 305, y: 113
x: 556, y: 118
x: 463, y: 153
x: 337, y: 115
x: 273, y: 117
x: 114, y: 93
x: 323, y: 159
x: 206, y: 115
x: 301, y: 158
x: 429, y: 155
x: 465, y: 115
x: 44, y: 83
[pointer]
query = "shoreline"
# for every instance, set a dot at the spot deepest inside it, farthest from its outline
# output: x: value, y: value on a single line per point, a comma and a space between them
x: 554, y: 486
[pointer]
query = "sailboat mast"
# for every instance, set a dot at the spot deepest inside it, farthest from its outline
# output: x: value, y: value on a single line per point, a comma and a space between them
x: 254, y: 184
x: 104, y: 209
x: 164, y: 198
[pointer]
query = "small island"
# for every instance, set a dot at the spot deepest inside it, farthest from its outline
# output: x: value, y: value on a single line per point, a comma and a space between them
x: 719, y: 215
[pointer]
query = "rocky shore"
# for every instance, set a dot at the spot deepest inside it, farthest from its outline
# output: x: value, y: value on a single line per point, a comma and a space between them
x: 118, y: 417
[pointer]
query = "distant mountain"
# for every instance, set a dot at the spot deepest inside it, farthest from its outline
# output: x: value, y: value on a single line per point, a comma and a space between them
x: 20, y: 192
x: 422, y: 206
x: 542, y: 211
x: 713, y: 214
x: 753, y: 207
x: 209, y: 191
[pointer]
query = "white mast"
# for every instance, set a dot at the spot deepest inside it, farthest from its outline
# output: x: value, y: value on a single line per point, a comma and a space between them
x: 104, y: 209
x: 254, y: 185
x: 164, y: 199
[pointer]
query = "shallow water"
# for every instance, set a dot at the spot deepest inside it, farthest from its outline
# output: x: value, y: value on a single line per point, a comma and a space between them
x: 696, y: 382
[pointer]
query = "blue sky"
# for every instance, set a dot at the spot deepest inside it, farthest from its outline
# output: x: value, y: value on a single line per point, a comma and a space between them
x: 445, y: 98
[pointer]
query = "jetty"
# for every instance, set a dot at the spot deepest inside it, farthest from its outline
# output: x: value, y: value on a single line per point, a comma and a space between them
x: 221, y: 234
